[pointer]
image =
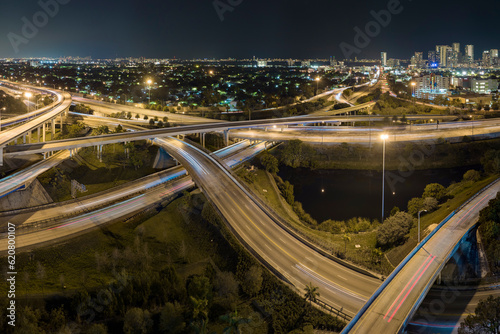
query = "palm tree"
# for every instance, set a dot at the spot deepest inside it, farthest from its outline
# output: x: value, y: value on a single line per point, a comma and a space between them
x: 234, y: 322
x: 312, y: 293
x: 200, y: 308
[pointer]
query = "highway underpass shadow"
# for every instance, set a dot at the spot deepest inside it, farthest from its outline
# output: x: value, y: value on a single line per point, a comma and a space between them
x: 448, y: 303
x: 441, y: 311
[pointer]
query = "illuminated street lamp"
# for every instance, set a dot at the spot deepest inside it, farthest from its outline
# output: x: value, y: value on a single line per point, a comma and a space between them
x: 149, y: 82
x: 384, y: 138
x: 419, y: 223
x: 28, y: 95
x: 317, y: 84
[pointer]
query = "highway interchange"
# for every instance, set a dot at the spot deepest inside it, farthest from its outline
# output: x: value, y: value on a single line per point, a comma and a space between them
x: 254, y: 225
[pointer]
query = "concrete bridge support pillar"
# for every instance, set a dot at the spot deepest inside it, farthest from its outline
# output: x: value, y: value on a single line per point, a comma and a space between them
x: 203, y: 139
x: 29, y: 134
x: 38, y: 134
x: 24, y: 139
x: 226, y: 137
x: 99, y: 152
x: 43, y: 132
x: 61, y: 123
x: 53, y: 129
x: 1, y: 156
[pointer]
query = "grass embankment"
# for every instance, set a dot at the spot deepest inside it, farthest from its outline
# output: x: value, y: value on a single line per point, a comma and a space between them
x: 114, y: 170
x: 177, y: 237
x: 173, y: 236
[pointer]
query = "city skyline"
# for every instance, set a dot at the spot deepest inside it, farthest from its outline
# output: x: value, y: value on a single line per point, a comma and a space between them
x: 288, y: 29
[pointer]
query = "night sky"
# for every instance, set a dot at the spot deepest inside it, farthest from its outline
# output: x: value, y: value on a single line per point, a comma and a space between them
x: 264, y: 28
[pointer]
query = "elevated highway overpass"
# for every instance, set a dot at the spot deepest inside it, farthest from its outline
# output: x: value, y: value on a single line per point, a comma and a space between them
x: 70, y: 144
x: 38, y: 122
x: 394, y: 303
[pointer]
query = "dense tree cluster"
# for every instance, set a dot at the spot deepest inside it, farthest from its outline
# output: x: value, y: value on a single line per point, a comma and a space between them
x: 485, y: 320
x: 394, y: 230
x: 11, y: 104
x: 489, y: 227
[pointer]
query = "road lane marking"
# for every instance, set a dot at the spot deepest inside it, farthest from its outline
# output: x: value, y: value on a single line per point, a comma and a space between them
x: 327, y: 282
x: 285, y: 252
x: 410, y: 290
x: 406, y: 286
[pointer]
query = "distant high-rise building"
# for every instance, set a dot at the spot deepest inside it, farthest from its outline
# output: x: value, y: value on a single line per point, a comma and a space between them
x: 495, y: 60
x: 456, y: 55
x: 469, y: 53
x: 261, y: 63
x: 383, y: 58
x: 444, y: 53
x: 486, y: 58
x: 433, y: 59
x: 418, y: 59
x: 333, y: 62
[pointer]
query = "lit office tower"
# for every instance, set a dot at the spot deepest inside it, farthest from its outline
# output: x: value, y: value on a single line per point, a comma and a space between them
x: 469, y: 53
x: 432, y: 58
x: 418, y: 59
x: 383, y: 57
x: 494, y: 57
x: 486, y: 58
x: 442, y: 50
x: 456, y: 55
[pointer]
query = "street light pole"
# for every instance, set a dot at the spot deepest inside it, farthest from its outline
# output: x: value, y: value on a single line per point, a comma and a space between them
x: 28, y: 95
x: 317, y: 85
x: 384, y: 139
x: 149, y: 88
x: 419, y: 223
